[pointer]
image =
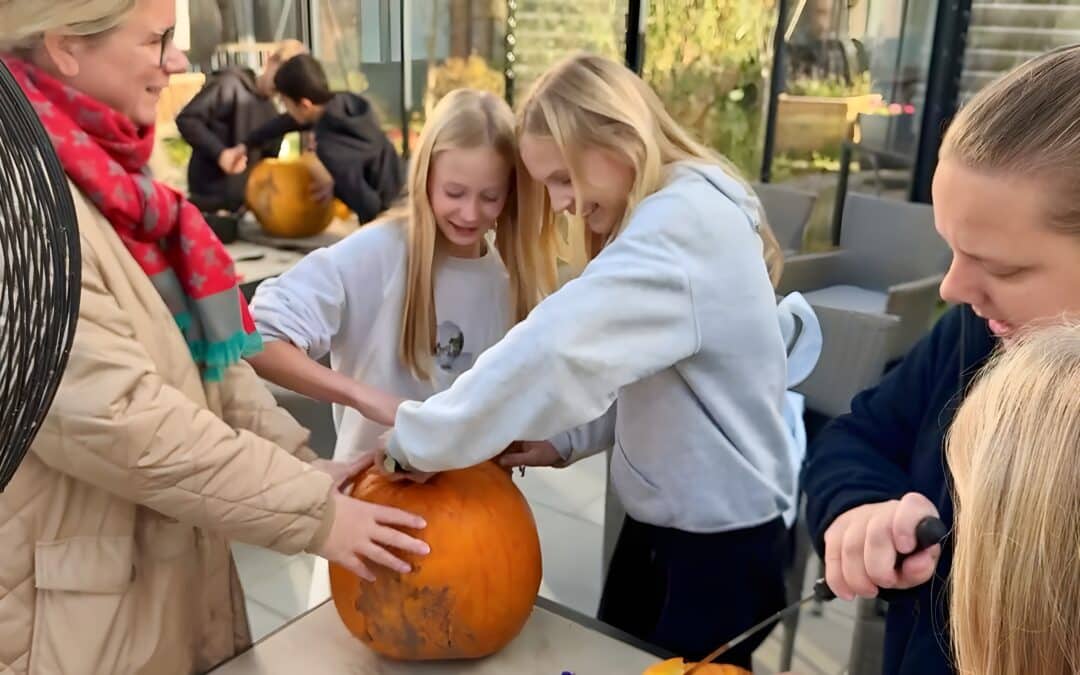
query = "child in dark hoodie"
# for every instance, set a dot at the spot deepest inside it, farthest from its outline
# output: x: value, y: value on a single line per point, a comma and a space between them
x: 232, y: 104
x: 367, y: 173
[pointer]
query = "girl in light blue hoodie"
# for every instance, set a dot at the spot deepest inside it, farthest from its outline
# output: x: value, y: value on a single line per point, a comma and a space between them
x: 670, y: 348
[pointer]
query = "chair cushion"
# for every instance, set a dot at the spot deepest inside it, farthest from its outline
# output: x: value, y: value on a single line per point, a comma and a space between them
x: 849, y: 297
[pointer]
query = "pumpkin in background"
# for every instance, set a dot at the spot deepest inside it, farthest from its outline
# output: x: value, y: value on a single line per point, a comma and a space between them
x: 278, y: 193
x: 472, y: 594
x: 679, y: 666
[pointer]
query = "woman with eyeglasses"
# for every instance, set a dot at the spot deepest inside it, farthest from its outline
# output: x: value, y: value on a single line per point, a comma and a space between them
x: 162, y: 444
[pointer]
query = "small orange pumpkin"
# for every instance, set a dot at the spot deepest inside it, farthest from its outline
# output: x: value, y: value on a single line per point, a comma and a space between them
x: 472, y: 594
x: 278, y: 193
x: 679, y: 666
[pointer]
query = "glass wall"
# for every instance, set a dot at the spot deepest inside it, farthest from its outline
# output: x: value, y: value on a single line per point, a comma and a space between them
x: 545, y: 31
x: 708, y: 60
x: 852, y: 100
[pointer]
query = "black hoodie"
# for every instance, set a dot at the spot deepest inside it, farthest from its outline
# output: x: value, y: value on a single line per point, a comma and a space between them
x: 223, y: 114
x: 891, y: 443
x: 368, y: 174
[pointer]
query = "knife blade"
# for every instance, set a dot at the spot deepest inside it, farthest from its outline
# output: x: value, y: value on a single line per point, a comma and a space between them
x: 928, y: 532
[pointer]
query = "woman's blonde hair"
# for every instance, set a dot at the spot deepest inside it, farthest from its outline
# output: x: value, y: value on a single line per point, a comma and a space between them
x: 465, y: 118
x: 23, y: 23
x: 589, y: 101
x: 1014, y: 454
x: 1027, y: 123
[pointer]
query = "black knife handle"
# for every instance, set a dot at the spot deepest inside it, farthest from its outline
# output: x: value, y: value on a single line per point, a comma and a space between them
x: 928, y: 532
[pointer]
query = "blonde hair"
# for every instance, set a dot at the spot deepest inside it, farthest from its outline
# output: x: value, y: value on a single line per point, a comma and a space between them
x: 1026, y: 122
x: 465, y: 118
x: 1014, y: 454
x: 23, y: 23
x: 591, y: 101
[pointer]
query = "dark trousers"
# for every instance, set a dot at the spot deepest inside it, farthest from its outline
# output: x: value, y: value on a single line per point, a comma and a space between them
x: 688, y: 593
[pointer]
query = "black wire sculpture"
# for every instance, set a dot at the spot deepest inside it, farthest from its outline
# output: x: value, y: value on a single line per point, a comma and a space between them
x: 40, y: 274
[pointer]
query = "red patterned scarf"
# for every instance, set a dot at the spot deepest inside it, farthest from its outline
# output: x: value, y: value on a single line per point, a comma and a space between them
x: 105, y: 155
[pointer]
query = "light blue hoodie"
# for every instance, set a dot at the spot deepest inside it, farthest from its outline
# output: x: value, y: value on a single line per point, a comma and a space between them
x: 670, y: 347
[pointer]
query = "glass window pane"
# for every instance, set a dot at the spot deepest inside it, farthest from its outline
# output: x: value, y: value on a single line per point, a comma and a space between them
x: 358, y: 42
x: 707, y: 60
x: 545, y: 31
x: 856, y: 75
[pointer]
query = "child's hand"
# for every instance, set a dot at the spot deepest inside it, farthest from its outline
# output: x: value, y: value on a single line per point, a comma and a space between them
x: 530, y: 453
x: 344, y: 472
x: 233, y: 160
x: 322, y: 191
x: 363, y: 531
x: 381, y: 464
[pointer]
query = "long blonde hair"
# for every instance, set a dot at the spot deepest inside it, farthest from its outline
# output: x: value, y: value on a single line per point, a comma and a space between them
x: 1026, y: 123
x: 465, y: 118
x: 591, y: 101
x: 1014, y: 454
x: 23, y: 23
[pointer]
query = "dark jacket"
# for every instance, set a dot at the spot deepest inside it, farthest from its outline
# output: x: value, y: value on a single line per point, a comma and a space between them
x: 368, y: 174
x: 892, y: 443
x: 223, y: 114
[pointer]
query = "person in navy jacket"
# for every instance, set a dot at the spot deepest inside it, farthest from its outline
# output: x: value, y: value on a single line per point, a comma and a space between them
x: 1005, y: 201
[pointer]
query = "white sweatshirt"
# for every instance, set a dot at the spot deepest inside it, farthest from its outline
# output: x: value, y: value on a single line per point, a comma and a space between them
x: 346, y: 300
x: 672, y: 340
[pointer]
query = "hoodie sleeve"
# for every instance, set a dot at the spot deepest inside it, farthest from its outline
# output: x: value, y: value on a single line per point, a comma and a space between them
x: 346, y: 158
x: 862, y: 457
x: 213, y: 101
x: 564, y: 365
x: 275, y: 128
x: 331, y: 288
x: 588, y: 439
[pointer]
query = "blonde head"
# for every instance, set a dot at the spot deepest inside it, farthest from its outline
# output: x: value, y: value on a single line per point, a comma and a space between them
x: 1025, y: 123
x: 1014, y: 454
x: 23, y: 23
x: 465, y: 119
x: 589, y: 101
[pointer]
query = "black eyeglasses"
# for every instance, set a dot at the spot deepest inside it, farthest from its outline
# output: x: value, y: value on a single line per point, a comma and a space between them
x: 166, y: 40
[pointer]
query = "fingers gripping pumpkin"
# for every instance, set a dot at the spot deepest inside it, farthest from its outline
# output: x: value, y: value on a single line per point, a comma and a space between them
x: 472, y: 594
x: 278, y: 193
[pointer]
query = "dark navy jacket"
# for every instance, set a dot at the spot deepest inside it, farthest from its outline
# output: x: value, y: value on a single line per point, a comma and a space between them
x: 892, y: 443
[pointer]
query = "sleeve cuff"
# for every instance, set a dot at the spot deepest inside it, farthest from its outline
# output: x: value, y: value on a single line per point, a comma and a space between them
x: 563, y: 445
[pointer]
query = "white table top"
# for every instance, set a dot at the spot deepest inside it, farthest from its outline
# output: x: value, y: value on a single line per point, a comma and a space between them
x: 550, y: 644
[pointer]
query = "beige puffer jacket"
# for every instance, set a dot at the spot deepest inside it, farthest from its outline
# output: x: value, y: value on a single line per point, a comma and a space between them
x: 113, y: 532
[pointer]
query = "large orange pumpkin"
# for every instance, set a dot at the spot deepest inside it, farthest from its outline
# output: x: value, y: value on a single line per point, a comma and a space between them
x: 679, y: 666
x: 277, y: 193
x: 472, y: 594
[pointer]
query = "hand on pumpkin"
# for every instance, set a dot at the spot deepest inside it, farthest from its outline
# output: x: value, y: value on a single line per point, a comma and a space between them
x: 362, y: 532
x: 861, y: 547
x: 380, y: 464
x: 344, y: 472
x: 233, y: 160
x: 322, y: 192
x: 530, y: 453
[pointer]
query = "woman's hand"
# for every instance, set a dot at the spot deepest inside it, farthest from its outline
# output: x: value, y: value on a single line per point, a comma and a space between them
x: 362, y: 532
x: 344, y: 472
x: 530, y: 453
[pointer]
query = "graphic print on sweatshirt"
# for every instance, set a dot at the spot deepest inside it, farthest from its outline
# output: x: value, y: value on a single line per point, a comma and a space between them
x: 450, y: 351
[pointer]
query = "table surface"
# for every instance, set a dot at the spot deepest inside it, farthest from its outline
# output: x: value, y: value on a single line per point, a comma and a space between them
x: 555, y: 640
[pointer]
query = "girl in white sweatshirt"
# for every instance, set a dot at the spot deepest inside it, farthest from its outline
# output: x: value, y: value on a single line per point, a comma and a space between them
x: 670, y: 346
x: 404, y: 305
